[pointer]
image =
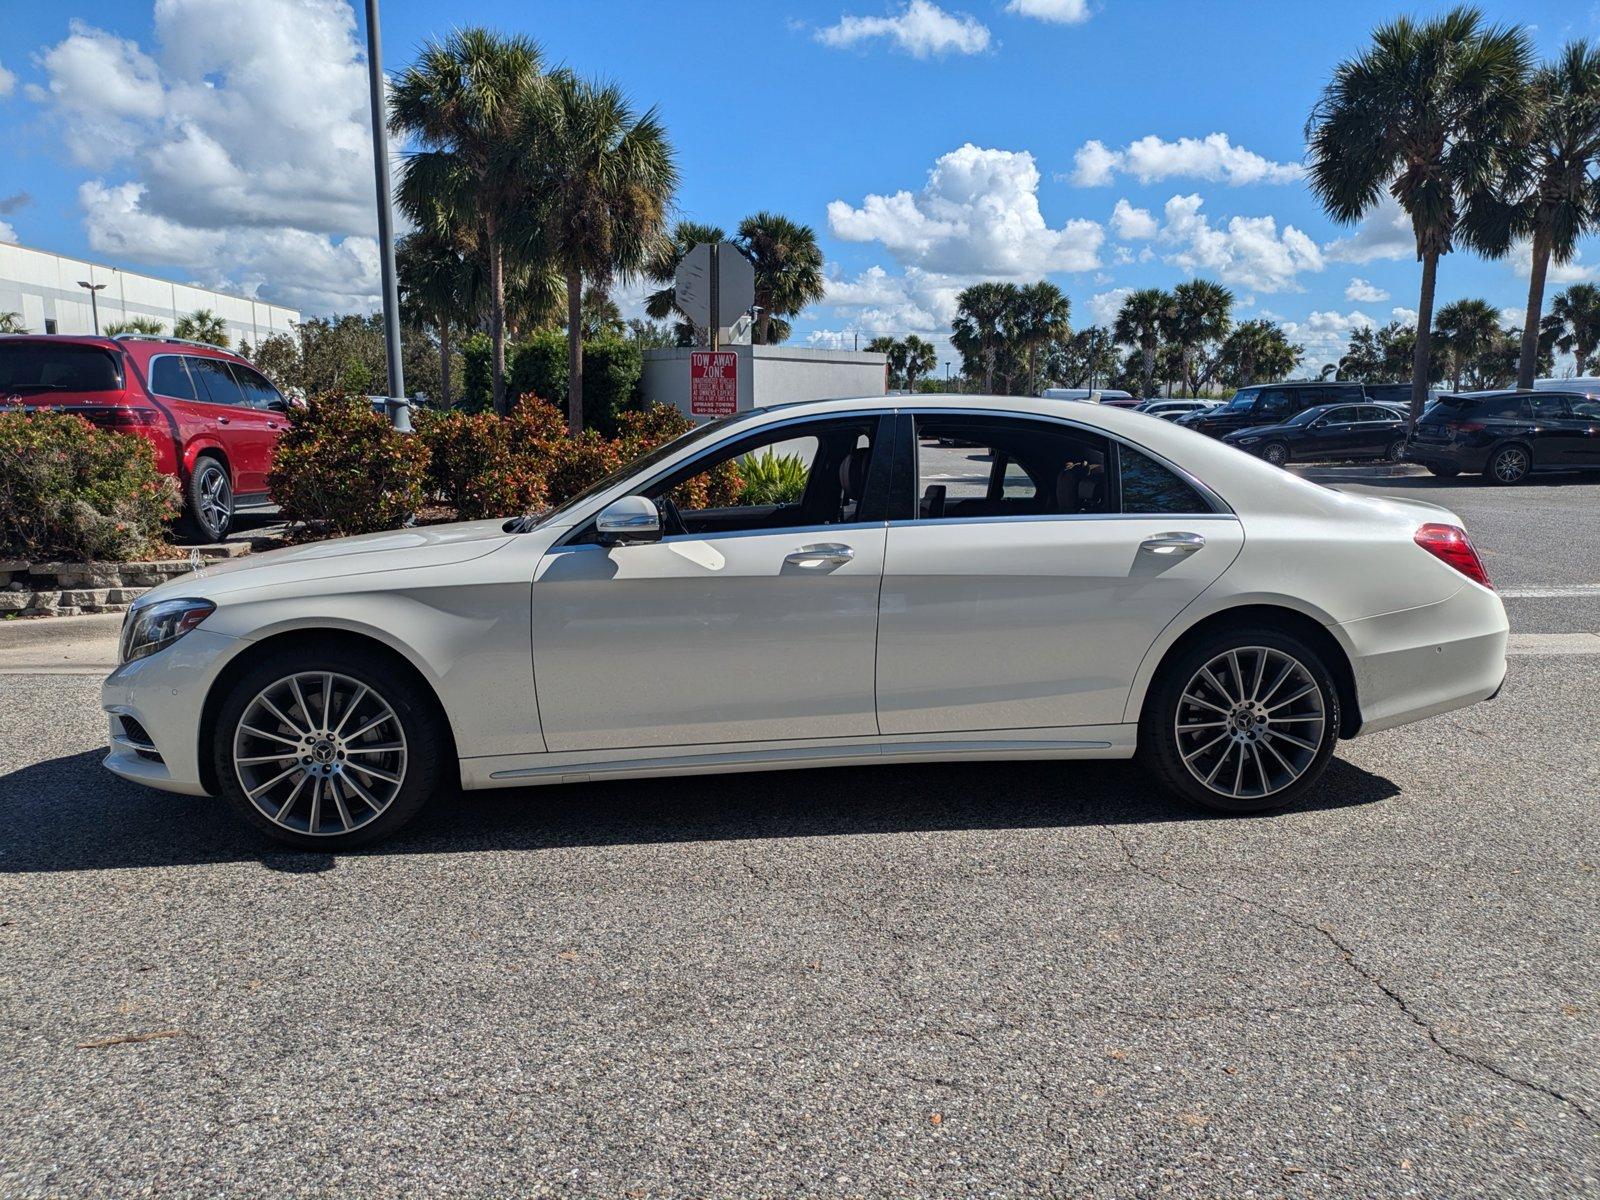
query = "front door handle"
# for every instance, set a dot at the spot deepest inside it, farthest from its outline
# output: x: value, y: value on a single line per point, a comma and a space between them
x: 1173, y: 543
x: 825, y: 552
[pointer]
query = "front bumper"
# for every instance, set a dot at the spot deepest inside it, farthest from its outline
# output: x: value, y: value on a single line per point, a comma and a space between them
x: 164, y: 694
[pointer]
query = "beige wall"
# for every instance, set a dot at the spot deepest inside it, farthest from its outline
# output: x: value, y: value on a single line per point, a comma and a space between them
x: 772, y: 375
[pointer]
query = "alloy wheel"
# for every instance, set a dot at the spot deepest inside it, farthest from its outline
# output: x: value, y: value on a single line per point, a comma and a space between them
x: 216, y: 498
x: 1276, y: 454
x: 320, y: 753
x: 1250, y: 722
x: 1510, y: 464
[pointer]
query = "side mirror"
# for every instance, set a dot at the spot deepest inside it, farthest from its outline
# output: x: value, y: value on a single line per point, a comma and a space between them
x: 630, y: 519
x: 1320, y: 423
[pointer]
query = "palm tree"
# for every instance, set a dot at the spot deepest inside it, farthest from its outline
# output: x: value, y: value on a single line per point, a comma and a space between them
x: 920, y: 360
x: 1553, y: 199
x: 978, y: 328
x: 1043, y: 317
x: 1202, y: 313
x: 1259, y: 350
x: 439, y: 289
x: 1425, y: 114
x: 663, y: 269
x: 1466, y: 328
x: 202, y: 325
x: 603, y: 176
x: 463, y: 101
x: 1140, y: 322
x: 11, y: 322
x: 788, y: 266
x: 1573, y: 326
x: 145, y: 325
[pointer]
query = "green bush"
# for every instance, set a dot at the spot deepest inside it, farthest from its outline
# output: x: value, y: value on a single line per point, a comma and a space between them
x: 611, y: 370
x: 477, y: 374
x: 342, y: 466
x: 538, y: 367
x: 773, y: 478
x: 69, y: 490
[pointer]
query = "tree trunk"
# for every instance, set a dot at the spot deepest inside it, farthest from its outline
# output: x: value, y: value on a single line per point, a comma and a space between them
x: 1528, y: 363
x: 574, y: 352
x: 444, y: 363
x: 1149, y: 370
x: 497, y: 323
x: 1421, y: 358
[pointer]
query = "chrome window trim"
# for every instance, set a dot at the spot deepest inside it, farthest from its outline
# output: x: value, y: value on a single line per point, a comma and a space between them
x: 915, y: 522
x: 150, y: 374
x: 566, y: 547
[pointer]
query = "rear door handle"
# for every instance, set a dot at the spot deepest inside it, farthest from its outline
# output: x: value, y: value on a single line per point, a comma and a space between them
x: 824, y: 552
x: 224, y: 420
x: 1173, y: 543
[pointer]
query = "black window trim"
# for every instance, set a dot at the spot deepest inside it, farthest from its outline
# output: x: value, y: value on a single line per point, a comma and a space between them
x: 150, y: 374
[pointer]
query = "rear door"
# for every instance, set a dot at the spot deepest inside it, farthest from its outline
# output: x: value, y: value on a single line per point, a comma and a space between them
x: 1557, y: 434
x: 1032, y: 566
x: 1377, y: 428
x: 1336, y: 433
x: 247, y: 433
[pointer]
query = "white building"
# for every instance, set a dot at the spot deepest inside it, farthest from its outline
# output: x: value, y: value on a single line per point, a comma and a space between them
x: 770, y: 375
x: 44, y: 289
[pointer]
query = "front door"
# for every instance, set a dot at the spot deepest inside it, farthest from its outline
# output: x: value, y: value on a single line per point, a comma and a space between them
x: 1037, y: 566
x: 753, y: 619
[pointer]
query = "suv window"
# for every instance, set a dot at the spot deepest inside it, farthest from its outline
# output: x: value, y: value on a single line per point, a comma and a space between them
x: 978, y: 466
x: 1276, y: 403
x: 213, y: 381
x: 1546, y: 408
x: 1494, y: 407
x: 1148, y: 487
x: 169, y: 377
x: 256, y: 387
x: 45, y: 367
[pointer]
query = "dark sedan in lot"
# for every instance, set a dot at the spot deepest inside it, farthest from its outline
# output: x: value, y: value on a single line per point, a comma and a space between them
x: 1327, y: 432
x: 1508, y: 435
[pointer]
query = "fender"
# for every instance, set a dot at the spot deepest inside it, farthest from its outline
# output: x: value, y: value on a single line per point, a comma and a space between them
x: 200, y: 444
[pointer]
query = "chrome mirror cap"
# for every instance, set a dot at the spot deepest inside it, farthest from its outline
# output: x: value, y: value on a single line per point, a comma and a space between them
x: 630, y: 519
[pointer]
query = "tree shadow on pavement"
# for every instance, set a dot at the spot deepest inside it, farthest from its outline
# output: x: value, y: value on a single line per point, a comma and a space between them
x: 68, y: 814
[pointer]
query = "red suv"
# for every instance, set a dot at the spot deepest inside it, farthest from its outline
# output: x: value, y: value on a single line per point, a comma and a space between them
x: 212, y: 417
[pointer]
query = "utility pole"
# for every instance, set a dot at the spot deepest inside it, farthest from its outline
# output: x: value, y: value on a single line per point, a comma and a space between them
x: 94, y: 301
x: 399, y: 406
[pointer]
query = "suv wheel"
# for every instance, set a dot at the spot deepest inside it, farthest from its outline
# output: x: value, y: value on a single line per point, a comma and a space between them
x: 1509, y: 464
x: 1243, y: 721
x: 208, y: 497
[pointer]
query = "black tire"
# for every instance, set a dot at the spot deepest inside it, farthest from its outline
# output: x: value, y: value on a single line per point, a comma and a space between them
x: 1162, y: 747
x: 1396, y: 451
x: 208, y: 501
x: 1509, y: 464
x: 1444, y: 472
x: 423, y: 738
x: 1275, y: 453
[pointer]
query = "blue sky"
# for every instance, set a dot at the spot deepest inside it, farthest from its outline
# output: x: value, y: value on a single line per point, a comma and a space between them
x: 1107, y: 144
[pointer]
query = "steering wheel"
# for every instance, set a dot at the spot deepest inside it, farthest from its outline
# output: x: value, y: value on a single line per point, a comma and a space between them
x: 671, y: 518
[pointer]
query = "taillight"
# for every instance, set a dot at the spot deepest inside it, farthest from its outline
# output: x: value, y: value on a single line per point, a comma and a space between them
x: 1449, y: 544
x: 125, y: 418
x: 1464, y: 426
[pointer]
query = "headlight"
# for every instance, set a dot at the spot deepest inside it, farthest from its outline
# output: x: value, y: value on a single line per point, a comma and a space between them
x: 1246, y: 441
x: 156, y: 626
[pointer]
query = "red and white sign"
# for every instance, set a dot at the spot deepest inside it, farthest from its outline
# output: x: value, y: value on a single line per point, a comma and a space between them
x: 713, y: 383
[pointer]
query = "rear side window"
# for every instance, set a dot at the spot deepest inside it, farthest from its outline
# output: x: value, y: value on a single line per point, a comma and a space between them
x: 213, y: 381
x: 1507, y: 407
x: 1547, y: 408
x: 1149, y: 487
x: 973, y: 466
x: 169, y: 377
x: 42, y: 368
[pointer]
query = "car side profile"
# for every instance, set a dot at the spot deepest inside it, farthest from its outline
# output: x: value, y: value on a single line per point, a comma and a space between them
x: 960, y: 578
x: 1269, y: 404
x: 1171, y: 410
x: 1508, y: 435
x: 1327, y: 433
x: 212, y: 418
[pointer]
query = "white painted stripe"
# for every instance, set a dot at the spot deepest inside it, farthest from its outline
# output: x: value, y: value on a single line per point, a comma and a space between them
x: 1571, y: 591
x: 1553, y: 643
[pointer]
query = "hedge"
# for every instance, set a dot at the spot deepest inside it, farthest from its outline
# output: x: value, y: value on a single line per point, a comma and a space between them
x: 342, y: 466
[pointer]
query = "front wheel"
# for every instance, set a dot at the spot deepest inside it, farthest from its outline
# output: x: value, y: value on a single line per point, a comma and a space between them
x: 1275, y: 453
x: 1509, y: 464
x: 1243, y: 721
x: 327, y: 748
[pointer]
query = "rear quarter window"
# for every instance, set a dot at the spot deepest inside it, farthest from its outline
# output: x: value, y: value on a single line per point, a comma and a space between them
x: 43, y: 368
x: 1149, y: 487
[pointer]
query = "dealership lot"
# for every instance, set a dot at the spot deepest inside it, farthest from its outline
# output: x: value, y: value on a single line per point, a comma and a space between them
x: 988, y: 979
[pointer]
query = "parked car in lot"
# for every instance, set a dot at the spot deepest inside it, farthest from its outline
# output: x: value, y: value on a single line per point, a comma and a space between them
x: 1583, y: 385
x: 1171, y: 410
x: 212, y: 417
x: 1092, y: 585
x: 1327, y: 433
x: 1269, y: 404
x: 1115, y: 397
x: 1508, y: 435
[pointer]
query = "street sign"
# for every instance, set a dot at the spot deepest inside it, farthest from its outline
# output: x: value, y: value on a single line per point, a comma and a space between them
x: 714, y: 285
x: 713, y: 383
x: 692, y: 285
x: 736, y: 284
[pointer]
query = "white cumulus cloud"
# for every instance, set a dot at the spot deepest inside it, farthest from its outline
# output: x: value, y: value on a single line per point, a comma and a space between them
x: 977, y: 214
x: 1362, y: 292
x: 1104, y: 306
x: 920, y: 29
x: 914, y: 301
x: 1248, y: 252
x: 1151, y: 159
x: 8, y: 82
x: 1384, y: 234
x: 1326, y: 334
x: 1058, y: 12
x: 237, y: 148
x: 1133, y: 224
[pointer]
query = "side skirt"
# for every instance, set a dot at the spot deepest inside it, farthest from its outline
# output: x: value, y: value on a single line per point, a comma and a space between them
x: 526, y: 770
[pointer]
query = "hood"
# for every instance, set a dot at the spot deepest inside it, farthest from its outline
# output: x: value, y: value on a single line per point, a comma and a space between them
x: 427, y: 546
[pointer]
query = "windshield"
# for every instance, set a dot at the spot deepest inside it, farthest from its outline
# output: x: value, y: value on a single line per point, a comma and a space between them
x: 644, y: 461
x: 1243, y: 402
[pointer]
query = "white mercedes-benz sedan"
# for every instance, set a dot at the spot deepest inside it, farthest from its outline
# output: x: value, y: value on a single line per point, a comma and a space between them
x: 940, y: 578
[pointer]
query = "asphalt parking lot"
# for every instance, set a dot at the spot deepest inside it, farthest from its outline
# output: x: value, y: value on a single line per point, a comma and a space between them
x: 997, y: 980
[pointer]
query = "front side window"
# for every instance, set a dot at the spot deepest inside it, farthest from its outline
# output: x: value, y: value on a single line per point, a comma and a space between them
x: 1276, y: 403
x: 255, y: 386
x: 213, y: 381
x: 1243, y: 401
x: 1340, y: 416
x: 974, y: 466
x: 36, y: 369
x: 1149, y: 487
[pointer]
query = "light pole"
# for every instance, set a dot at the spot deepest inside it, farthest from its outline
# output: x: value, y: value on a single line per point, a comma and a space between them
x: 94, y: 301
x: 399, y: 406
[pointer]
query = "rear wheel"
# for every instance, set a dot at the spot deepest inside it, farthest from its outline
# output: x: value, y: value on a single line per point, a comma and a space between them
x: 208, y: 500
x: 1396, y: 450
x: 327, y: 748
x: 1242, y: 721
x: 1275, y: 453
x: 1509, y: 464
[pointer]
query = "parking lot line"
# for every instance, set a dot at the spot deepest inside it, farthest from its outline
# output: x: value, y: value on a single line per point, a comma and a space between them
x: 1569, y: 591
x: 1553, y: 643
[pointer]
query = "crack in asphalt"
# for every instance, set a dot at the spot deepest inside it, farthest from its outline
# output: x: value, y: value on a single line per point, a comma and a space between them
x: 1371, y: 977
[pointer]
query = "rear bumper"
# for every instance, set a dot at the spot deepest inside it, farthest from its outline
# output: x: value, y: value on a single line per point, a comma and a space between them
x: 1423, y: 661
x: 1445, y: 456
